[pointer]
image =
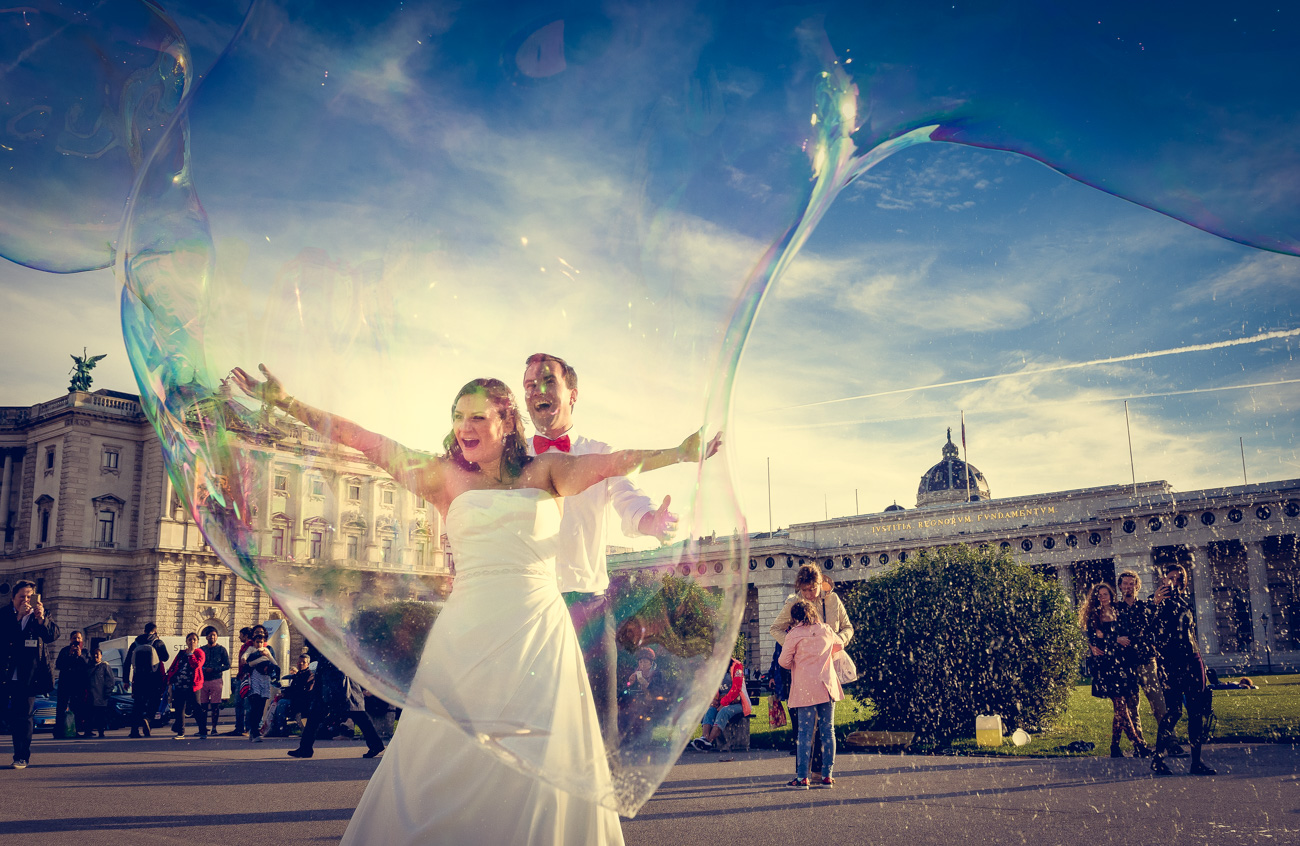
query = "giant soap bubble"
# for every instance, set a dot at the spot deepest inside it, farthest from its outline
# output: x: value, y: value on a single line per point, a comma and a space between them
x: 383, y: 203
x: 383, y: 209
x: 87, y: 93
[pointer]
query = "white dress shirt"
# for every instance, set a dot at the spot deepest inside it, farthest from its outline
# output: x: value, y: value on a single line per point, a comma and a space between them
x: 580, y: 557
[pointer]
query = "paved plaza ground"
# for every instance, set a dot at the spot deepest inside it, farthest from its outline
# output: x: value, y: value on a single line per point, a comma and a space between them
x: 230, y: 791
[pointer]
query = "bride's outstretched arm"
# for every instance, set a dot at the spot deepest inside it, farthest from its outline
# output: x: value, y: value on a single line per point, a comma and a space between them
x: 573, y: 474
x: 414, y: 470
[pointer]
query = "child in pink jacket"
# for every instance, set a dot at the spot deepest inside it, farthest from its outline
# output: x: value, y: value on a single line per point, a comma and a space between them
x: 814, y: 687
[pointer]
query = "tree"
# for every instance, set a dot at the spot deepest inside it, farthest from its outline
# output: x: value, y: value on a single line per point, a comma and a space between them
x: 956, y: 632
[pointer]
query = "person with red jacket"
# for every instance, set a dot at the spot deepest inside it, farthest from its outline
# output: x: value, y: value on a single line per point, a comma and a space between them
x: 732, y: 699
x: 186, y: 680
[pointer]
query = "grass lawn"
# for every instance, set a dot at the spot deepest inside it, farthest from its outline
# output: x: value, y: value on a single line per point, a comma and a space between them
x: 1271, y: 713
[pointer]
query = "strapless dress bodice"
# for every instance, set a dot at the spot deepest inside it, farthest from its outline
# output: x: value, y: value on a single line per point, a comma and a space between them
x: 511, y: 532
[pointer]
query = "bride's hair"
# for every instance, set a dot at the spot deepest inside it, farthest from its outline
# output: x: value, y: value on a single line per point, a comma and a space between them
x: 514, y: 453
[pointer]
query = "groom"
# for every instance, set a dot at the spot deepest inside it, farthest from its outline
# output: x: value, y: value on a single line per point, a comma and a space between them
x: 550, y: 392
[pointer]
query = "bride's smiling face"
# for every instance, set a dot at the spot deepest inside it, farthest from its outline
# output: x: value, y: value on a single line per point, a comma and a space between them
x: 479, y: 429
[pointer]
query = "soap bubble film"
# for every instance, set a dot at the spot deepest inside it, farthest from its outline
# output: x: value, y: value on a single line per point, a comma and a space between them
x: 88, y: 91
x: 381, y: 204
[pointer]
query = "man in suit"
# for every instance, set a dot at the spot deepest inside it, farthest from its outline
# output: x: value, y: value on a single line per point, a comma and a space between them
x: 550, y: 392
x: 24, y: 668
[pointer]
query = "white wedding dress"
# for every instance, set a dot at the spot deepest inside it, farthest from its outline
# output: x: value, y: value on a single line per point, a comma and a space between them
x: 502, y: 660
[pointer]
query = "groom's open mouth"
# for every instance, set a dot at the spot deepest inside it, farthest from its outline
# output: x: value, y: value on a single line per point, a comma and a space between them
x: 542, y: 405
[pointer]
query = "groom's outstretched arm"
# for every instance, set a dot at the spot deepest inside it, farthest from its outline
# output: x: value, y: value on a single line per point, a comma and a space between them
x: 573, y: 474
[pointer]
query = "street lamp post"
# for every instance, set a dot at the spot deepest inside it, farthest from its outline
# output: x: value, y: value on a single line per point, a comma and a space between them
x: 1268, y: 647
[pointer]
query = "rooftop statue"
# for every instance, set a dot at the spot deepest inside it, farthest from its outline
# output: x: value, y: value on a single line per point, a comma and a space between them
x: 80, y: 372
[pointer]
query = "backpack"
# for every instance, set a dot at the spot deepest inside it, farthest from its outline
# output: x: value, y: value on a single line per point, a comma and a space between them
x: 144, y: 659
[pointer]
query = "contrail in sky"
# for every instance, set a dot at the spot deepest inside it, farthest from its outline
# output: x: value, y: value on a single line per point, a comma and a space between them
x: 1056, y: 368
x: 1072, y: 401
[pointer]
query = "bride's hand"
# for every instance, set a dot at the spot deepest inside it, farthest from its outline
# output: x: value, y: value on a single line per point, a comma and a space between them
x: 690, y: 449
x: 270, y: 392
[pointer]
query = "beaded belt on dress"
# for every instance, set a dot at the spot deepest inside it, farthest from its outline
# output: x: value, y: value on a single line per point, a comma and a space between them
x: 538, y: 572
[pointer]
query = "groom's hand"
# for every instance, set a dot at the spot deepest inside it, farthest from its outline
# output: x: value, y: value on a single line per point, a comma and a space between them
x: 660, y: 523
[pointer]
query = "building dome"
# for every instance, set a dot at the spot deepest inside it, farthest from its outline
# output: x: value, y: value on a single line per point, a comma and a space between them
x: 894, y: 507
x: 945, y: 482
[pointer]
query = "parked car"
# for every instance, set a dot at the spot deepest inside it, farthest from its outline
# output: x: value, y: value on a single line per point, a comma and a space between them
x: 46, y: 708
x: 119, y: 714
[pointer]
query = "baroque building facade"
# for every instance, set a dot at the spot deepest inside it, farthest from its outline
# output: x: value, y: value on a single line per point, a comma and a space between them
x: 1237, y: 542
x: 88, y: 512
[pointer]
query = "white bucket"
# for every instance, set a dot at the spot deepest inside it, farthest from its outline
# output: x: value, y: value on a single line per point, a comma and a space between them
x: 1020, y: 737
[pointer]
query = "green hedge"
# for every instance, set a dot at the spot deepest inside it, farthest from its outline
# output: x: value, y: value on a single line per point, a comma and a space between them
x: 956, y: 632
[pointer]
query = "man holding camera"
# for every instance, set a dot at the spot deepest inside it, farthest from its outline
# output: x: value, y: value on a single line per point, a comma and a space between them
x: 24, y: 668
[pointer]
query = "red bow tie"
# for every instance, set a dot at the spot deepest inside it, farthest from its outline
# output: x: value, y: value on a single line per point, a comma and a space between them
x: 542, y: 443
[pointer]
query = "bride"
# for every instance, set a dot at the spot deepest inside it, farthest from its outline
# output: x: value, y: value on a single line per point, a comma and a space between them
x: 503, y: 659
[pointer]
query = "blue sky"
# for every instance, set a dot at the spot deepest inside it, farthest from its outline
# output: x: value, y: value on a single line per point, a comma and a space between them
x: 453, y: 198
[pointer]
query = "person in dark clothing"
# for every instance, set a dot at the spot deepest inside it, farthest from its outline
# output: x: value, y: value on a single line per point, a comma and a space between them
x: 99, y: 689
x: 73, y: 665
x: 216, y: 663
x: 24, y: 669
x: 1114, y: 671
x: 245, y: 643
x: 1183, y: 669
x: 1137, y: 623
x: 333, y: 692
x: 642, y: 700
x: 143, y: 673
x: 296, y: 698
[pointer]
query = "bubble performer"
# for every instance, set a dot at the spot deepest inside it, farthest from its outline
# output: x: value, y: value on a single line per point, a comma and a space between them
x: 503, y: 658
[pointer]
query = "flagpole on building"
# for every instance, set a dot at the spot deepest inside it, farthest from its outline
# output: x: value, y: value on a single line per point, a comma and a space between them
x: 769, y: 494
x: 1242, y: 443
x: 964, y: 458
x: 857, y: 509
x: 1132, y: 469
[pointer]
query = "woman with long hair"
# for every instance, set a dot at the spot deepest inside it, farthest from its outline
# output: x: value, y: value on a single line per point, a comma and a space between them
x: 814, y: 586
x: 502, y: 666
x: 1113, y: 677
x: 814, y: 688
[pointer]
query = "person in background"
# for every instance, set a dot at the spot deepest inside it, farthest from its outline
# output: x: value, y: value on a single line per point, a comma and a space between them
x: 1114, y: 676
x: 1184, y: 671
x: 263, y: 672
x: 73, y: 666
x: 236, y: 687
x: 1137, y: 622
x: 295, y: 700
x: 144, y: 676
x: 642, y: 697
x: 814, y: 688
x: 24, y: 669
x: 99, y: 687
x: 186, y: 680
x: 732, y: 699
x: 216, y: 664
x: 334, y: 692
x: 812, y: 586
